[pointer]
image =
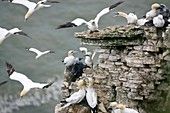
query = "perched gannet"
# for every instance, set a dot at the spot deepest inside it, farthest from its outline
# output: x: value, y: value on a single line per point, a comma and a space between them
x: 131, y: 17
x: 39, y: 53
x: 4, y: 33
x: 91, y: 95
x: 152, y: 13
x: 164, y: 11
x: 88, y: 56
x: 123, y: 109
x: 113, y: 106
x: 77, y: 96
x: 70, y: 59
x: 77, y: 69
x: 158, y: 21
x: 32, y: 7
x: 89, y: 59
x: 92, y: 24
x: 24, y: 80
x: 4, y: 82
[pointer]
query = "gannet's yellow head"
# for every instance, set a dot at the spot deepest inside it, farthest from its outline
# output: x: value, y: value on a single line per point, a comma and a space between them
x: 91, y: 81
x: 28, y: 14
x: 80, y: 83
x: 23, y: 93
x: 71, y: 52
x: 121, y: 106
x: 155, y: 6
x: 113, y: 104
x: 122, y: 14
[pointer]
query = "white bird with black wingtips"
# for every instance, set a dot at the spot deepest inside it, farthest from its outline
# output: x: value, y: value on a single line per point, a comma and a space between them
x: 39, y: 53
x: 131, y: 17
x: 25, y: 81
x: 91, y: 95
x: 70, y: 59
x: 32, y: 7
x: 88, y: 56
x: 76, y: 97
x: 4, y: 33
x: 92, y: 24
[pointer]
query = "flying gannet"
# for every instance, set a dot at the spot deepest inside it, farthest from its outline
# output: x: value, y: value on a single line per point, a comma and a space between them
x: 91, y: 95
x: 76, y: 97
x: 4, y: 33
x: 32, y: 7
x: 92, y: 24
x: 25, y: 81
x: 39, y: 53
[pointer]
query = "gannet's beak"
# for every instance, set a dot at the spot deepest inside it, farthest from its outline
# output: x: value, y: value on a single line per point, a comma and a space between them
x: 115, y: 14
x: 22, y: 33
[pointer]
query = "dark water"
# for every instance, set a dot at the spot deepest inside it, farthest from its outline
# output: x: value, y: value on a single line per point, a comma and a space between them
x: 41, y: 28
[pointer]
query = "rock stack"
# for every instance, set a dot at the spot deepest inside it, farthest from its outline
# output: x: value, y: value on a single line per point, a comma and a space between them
x: 132, y: 67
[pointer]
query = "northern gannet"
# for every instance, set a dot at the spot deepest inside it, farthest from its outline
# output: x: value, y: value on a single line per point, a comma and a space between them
x: 158, y: 21
x: 24, y: 80
x: 70, y: 59
x: 91, y: 95
x: 4, y: 82
x: 152, y: 13
x: 92, y: 24
x: 131, y: 17
x: 164, y: 11
x: 4, y: 33
x: 39, y: 53
x: 77, y: 96
x: 77, y: 69
x: 88, y: 56
x: 113, y: 106
x: 32, y: 7
x: 123, y: 109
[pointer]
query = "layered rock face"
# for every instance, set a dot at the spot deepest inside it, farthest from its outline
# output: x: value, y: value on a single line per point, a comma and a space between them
x: 133, y: 67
